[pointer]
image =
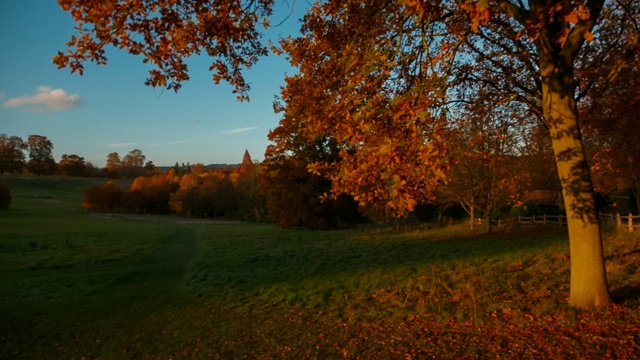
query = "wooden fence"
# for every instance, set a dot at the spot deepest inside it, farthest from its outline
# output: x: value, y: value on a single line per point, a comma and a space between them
x: 621, y: 222
x: 627, y: 222
x: 544, y: 220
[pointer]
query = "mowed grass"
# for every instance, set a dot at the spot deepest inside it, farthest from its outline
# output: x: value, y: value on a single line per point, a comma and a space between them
x: 74, y: 285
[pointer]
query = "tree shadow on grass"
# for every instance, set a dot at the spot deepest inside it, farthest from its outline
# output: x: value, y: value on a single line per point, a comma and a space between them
x: 292, y: 258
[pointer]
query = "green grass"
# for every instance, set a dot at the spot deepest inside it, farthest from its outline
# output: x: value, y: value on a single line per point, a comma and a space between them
x: 74, y: 285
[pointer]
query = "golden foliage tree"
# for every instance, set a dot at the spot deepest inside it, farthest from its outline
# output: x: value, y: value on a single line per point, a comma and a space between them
x: 402, y: 71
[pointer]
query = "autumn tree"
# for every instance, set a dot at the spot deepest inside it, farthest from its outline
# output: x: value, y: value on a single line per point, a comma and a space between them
x: 204, y: 192
x: 165, y: 34
x: 295, y: 196
x: 369, y: 59
x: 485, y: 177
x: 134, y: 158
x: 382, y: 76
x: 132, y: 163
x: 250, y: 197
x: 92, y: 170
x: 41, y: 160
x: 103, y: 198
x: 151, y: 168
x: 12, y: 158
x: 113, y: 165
x: 72, y: 165
x: 392, y: 150
x: 151, y: 194
x: 247, y: 165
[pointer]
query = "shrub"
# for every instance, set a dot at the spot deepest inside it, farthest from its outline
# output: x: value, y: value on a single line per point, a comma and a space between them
x: 5, y: 197
x: 103, y: 198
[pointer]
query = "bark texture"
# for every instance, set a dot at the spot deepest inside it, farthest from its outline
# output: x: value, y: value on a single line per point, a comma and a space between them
x: 589, y: 288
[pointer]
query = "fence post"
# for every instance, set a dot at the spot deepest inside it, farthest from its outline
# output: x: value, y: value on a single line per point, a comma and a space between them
x: 630, y: 222
x: 544, y: 219
x: 618, y: 221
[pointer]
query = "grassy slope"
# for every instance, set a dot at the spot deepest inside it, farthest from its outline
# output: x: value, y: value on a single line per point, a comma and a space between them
x: 74, y: 285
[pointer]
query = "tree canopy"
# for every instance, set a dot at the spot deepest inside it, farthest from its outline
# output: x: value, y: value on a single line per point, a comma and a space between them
x: 166, y: 32
x: 41, y: 160
x: 12, y: 157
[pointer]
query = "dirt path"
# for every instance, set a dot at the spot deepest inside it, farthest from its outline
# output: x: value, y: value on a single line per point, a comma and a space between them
x: 174, y: 258
x: 161, y: 274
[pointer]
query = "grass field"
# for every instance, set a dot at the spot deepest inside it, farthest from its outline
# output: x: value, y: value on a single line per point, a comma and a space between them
x: 74, y: 285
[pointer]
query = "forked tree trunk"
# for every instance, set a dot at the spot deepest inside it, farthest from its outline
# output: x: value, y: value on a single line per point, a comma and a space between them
x: 589, y: 287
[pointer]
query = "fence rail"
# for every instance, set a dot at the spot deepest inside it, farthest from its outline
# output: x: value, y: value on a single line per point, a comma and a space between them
x: 627, y: 222
x: 544, y: 220
x: 622, y: 221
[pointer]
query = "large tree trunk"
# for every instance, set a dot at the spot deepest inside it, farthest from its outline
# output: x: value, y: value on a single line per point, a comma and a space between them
x: 487, y: 221
x: 589, y: 287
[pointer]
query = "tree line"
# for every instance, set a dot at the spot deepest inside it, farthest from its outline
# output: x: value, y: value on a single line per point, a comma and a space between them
x: 196, y: 191
x: 35, y: 156
x: 248, y: 192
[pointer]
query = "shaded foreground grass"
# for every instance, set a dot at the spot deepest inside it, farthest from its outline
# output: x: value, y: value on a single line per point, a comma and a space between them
x: 73, y: 285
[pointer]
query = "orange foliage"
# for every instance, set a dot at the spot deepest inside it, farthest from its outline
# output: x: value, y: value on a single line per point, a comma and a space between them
x: 165, y: 33
x: 613, y: 135
x: 391, y: 146
x: 102, y: 198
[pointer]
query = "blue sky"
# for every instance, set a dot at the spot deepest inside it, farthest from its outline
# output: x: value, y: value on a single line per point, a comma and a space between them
x: 109, y: 109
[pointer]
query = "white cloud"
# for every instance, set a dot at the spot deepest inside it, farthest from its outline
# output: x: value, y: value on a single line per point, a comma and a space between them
x: 240, y: 130
x: 46, y: 100
x: 120, y: 145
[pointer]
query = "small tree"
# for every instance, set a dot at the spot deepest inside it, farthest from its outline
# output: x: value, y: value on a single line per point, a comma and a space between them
x: 72, y: 165
x: 132, y: 163
x: 41, y: 160
x: 12, y: 157
x: 102, y: 198
x: 151, y: 194
x: 250, y: 199
x: 114, y: 165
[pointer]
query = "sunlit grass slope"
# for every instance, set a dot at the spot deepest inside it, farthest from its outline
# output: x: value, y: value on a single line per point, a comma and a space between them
x: 74, y: 285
